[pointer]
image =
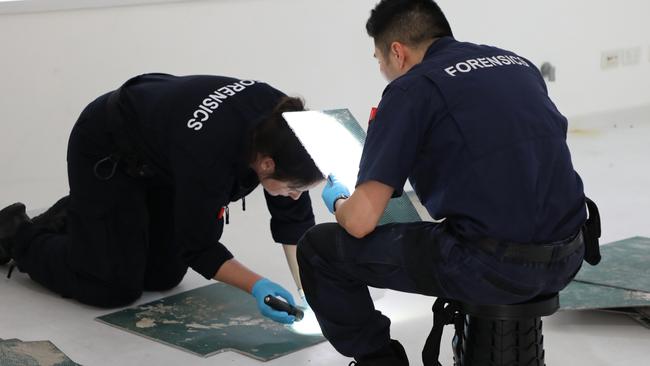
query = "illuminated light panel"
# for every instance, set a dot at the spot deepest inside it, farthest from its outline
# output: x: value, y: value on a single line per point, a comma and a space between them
x: 332, y: 147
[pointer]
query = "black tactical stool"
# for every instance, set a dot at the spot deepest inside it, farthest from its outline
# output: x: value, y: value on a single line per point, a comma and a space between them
x: 492, y: 335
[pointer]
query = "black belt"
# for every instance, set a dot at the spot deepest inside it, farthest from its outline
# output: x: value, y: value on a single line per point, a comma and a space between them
x: 537, y: 253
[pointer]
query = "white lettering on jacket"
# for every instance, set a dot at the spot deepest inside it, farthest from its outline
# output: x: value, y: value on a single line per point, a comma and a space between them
x: 484, y: 63
x: 212, y: 101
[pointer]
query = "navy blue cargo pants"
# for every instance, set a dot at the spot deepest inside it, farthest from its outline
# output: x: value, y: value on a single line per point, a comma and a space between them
x: 422, y: 257
x: 119, y: 235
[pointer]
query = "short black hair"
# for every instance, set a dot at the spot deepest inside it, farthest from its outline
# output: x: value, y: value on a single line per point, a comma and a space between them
x: 274, y: 138
x: 411, y: 22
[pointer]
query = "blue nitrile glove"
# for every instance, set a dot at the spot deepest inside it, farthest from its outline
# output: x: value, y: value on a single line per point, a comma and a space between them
x: 263, y: 288
x: 334, y: 190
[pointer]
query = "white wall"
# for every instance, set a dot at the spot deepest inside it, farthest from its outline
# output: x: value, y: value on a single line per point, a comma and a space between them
x: 28, y: 6
x: 52, y: 64
x: 572, y: 35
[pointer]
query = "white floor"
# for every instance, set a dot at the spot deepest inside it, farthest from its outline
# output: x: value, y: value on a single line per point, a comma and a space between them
x: 612, y: 161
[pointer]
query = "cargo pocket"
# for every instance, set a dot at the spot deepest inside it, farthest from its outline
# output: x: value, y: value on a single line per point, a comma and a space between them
x: 90, y: 251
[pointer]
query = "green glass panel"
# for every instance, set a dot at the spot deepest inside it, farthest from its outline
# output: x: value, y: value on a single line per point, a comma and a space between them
x: 210, y: 320
x: 625, y: 264
x: 399, y: 209
x: 14, y: 352
x: 586, y: 296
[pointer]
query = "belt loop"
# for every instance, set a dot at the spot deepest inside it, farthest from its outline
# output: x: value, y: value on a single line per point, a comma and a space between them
x: 554, y: 254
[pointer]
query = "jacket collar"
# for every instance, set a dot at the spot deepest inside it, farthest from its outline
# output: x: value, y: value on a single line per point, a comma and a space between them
x: 439, y: 45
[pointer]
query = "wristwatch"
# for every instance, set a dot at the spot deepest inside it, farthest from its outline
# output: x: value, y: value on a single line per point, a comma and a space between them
x: 340, y: 196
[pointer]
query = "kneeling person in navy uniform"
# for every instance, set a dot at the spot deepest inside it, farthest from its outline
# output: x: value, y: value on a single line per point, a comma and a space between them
x: 483, y: 146
x: 152, y: 169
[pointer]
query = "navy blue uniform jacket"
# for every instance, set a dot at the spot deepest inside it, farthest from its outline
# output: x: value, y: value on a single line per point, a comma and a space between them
x: 484, y: 147
x: 194, y: 130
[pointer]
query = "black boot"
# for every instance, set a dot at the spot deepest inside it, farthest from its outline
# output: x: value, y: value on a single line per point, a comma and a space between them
x: 11, y: 218
x: 393, y: 355
x: 54, y: 218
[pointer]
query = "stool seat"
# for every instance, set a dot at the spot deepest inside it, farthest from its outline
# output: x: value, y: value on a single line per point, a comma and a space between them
x: 503, y: 335
x: 491, y: 335
x: 537, y: 307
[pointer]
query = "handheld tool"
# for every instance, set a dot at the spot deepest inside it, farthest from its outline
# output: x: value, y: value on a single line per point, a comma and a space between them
x: 281, y: 305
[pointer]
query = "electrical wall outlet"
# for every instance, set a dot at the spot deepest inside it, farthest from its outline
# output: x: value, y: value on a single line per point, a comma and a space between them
x: 631, y: 56
x: 610, y: 59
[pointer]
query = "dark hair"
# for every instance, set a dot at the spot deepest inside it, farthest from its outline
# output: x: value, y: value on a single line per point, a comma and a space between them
x: 274, y: 138
x: 411, y: 22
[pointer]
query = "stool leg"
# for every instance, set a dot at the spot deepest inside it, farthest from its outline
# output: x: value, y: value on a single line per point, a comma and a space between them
x: 490, y: 342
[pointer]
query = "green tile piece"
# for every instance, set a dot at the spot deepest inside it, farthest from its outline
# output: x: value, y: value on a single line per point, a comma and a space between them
x: 10, y: 340
x: 641, y: 311
x: 40, y: 353
x: 210, y: 320
x: 585, y: 296
x: 637, y: 314
x: 644, y: 311
x: 399, y: 209
x: 625, y: 264
x: 641, y: 320
x: 641, y: 315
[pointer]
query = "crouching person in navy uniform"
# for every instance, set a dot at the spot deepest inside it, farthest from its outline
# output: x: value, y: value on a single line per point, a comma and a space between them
x: 474, y: 131
x: 152, y: 169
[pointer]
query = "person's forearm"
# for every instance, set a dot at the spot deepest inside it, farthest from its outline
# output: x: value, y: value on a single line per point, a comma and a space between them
x: 236, y: 274
x: 360, y: 213
x: 354, y: 218
x: 342, y: 215
x: 292, y: 261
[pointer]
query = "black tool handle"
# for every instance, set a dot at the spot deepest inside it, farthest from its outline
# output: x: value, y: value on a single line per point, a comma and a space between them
x: 280, y: 305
